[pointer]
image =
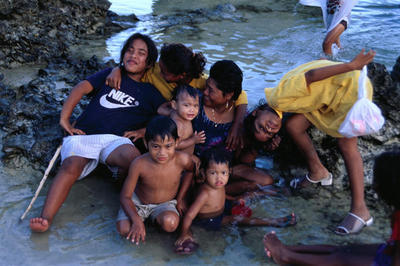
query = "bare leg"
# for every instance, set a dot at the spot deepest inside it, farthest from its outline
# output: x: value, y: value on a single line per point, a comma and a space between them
x: 332, y: 37
x: 70, y: 170
x: 355, y: 170
x: 239, y: 187
x: 122, y: 157
x: 168, y: 221
x: 123, y: 227
x: 252, y: 174
x: 253, y: 221
x: 297, y: 126
x: 349, y: 255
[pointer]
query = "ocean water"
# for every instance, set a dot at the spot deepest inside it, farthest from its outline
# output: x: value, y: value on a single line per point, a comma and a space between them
x: 265, y: 45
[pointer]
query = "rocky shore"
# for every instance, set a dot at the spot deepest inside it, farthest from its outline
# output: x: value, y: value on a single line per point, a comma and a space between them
x: 35, y: 32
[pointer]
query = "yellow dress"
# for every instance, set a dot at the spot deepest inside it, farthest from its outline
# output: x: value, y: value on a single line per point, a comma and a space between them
x: 324, y: 103
x: 153, y: 76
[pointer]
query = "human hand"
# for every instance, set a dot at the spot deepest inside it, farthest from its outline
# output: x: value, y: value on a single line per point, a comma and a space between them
x: 181, y: 206
x: 362, y: 59
x: 199, y: 137
x: 66, y: 125
x: 235, y: 138
x: 113, y: 79
x: 274, y: 143
x: 137, y: 232
x: 134, y: 135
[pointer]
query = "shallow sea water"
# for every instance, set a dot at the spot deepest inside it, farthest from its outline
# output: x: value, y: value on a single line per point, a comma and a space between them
x: 265, y: 46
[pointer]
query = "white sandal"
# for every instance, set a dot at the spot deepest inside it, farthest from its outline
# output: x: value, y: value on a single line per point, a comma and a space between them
x: 295, y: 183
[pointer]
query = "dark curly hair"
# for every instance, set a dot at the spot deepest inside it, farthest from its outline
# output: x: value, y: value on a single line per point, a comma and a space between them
x: 179, y: 59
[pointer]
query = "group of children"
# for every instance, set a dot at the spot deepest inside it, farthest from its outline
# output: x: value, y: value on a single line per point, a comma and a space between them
x: 164, y: 184
x: 165, y: 181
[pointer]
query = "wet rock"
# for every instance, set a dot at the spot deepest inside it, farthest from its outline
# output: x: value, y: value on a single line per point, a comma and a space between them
x: 30, y: 113
x: 36, y: 31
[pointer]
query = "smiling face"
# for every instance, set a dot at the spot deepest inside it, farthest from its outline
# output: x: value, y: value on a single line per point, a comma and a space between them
x: 213, y: 96
x: 266, y: 125
x: 135, y: 58
x: 217, y: 174
x: 187, y: 106
x: 162, y: 150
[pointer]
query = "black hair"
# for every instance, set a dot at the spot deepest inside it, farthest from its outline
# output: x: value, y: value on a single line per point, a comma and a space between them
x: 161, y: 126
x: 179, y: 59
x: 249, y: 127
x: 217, y: 155
x: 387, y: 177
x: 193, y: 92
x: 228, y: 77
x: 152, y: 52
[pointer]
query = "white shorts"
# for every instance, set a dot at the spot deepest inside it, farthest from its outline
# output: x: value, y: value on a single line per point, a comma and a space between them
x: 94, y: 147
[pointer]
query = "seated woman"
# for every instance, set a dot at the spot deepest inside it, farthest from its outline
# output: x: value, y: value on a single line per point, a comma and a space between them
x: 321, y: 93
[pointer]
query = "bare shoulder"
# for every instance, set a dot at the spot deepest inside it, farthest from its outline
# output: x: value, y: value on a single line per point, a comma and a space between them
x: 183, y: 158
x: 141, y: 162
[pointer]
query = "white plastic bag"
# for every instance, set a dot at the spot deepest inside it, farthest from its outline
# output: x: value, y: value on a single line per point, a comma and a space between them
x: 364, y: 117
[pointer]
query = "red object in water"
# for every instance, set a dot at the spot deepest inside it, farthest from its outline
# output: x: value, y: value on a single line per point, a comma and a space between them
x: 242, y: 210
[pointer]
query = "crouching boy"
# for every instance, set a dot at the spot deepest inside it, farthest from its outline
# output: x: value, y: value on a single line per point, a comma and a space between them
x: 152, y: 188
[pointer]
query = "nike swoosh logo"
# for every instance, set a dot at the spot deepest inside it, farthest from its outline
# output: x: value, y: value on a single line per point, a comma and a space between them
x: 105, y: 103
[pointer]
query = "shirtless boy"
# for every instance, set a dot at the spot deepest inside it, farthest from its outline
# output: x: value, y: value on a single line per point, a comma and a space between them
x: 98, y: 133
x: 210, y: 209
x: 185, y: 105
x: 152, y: 188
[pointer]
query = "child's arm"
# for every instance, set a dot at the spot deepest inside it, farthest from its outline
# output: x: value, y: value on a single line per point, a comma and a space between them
x: 135, y: 134
x: 197, y: 137
x: 137, y: 231
x: 188, y: 166
x: 83, y: 88
x: 357, y: 63
x: 235, y: 136
x: 113, y: 79
x: 194, y: 209
x: 181, y: 204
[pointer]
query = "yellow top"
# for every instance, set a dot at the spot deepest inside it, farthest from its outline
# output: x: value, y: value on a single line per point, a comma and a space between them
x: 153, y: 76
x: 324, y: 103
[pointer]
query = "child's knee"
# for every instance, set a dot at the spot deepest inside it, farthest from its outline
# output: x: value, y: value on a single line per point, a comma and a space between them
x: 169, y: 222
x: 123, y: 227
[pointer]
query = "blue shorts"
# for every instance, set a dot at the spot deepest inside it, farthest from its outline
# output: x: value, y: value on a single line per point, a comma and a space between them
x: 214, y: 223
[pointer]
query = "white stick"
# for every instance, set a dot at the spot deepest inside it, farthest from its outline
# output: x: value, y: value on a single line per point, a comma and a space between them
x: 46, y: 173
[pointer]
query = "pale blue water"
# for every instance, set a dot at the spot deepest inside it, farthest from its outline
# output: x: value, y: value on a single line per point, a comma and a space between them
x: 265, y: 45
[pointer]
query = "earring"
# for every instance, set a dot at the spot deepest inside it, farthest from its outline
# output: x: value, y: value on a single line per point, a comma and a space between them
x: 226, y: 106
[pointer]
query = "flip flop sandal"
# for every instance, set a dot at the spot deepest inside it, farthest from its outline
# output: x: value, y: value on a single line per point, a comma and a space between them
x: 352, y: 224
x: 298, y: 182
x: 186, y: 248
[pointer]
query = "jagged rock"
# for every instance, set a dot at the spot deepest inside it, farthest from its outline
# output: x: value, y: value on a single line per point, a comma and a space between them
x: 35, y: 31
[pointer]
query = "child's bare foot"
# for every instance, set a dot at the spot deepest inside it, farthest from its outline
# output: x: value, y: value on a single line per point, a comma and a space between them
x: 39, y: 224
x: 274, y: 248
x: 286, y: 221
